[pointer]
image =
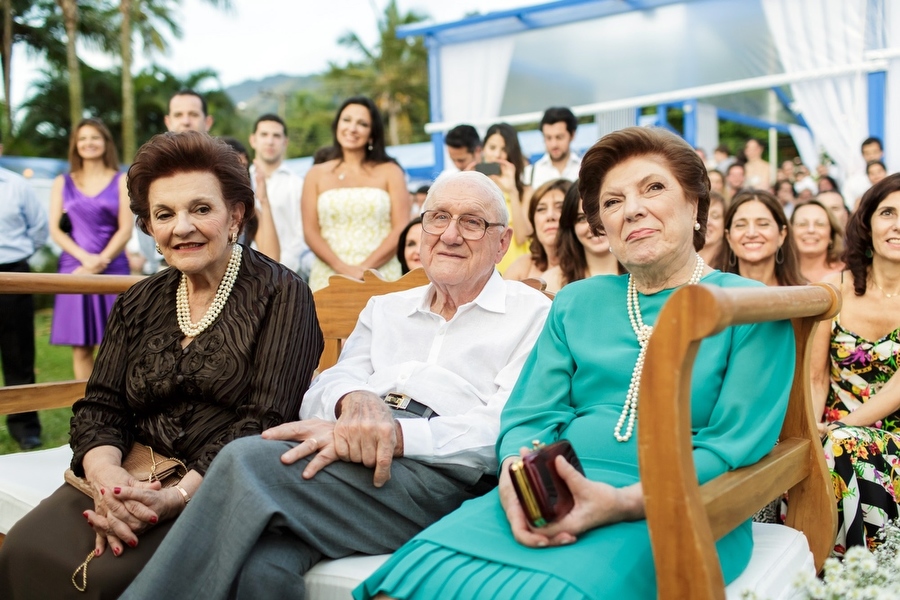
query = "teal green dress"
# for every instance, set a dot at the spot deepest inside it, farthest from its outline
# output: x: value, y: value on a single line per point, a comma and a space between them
x: 573, y: 386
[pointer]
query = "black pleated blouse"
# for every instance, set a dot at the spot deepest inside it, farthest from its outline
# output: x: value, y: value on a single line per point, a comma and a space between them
x: 248, y: 371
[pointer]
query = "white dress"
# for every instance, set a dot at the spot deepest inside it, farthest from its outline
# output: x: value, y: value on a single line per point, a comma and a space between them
x: 354, y: 221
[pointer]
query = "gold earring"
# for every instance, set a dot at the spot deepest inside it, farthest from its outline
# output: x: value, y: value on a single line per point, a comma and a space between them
x: 158, y: 251
x: 234, y: 237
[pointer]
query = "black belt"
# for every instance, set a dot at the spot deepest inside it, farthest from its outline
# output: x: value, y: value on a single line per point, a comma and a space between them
x: 404, y: 402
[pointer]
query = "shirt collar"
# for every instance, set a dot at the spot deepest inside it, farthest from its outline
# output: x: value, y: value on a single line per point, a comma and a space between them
x: 492, y: 297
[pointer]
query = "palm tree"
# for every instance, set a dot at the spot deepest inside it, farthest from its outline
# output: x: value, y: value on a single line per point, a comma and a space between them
x: 394, y: 73
x: 76, y: 98
x: 144, y: 18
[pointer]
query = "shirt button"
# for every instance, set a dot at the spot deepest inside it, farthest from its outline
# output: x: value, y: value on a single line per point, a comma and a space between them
x: 186, y: 350
x: 179, y: 378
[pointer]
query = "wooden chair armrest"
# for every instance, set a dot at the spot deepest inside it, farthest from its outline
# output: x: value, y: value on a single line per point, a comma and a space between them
x: 685, y: 520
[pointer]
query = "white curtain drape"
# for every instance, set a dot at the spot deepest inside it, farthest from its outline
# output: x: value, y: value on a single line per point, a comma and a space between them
x: 812, y: 34
x: 806, y: 146
x: 473, y: 79
x: 892, y: 93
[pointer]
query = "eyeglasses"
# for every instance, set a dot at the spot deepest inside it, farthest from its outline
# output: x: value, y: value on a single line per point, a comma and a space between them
x: 470, y: 227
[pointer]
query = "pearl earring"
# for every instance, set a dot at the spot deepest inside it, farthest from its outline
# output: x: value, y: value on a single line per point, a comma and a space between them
x: 697, y: 226
x: 370, y: 145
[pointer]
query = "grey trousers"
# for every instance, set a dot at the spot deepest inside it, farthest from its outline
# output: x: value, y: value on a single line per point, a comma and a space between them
x: 256, y: 526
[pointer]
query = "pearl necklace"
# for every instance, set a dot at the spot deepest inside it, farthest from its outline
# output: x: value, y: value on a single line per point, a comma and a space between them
x: 183, y: 309
x: 642, y: 332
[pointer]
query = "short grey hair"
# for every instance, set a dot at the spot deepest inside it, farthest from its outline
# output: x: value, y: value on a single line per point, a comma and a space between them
x: 487, y: 190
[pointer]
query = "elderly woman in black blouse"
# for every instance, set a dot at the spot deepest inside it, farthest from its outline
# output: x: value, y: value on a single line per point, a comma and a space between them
x: 219, y: 346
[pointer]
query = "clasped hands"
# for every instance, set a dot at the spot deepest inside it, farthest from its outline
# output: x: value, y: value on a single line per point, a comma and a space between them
x: 92, y: 264
x: 125, y: 507
x: 365, y: 432
x: 596, y: 504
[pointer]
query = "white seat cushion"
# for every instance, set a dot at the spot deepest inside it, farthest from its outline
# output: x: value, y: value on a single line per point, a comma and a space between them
x: 335, y: 579
x: 780, y: 554
x: 26, y: 478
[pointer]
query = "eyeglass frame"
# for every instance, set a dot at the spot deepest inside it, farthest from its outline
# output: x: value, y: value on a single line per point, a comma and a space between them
x: 487, y: 224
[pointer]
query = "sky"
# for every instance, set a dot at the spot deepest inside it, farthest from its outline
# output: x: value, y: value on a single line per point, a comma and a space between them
x: 267, y: 37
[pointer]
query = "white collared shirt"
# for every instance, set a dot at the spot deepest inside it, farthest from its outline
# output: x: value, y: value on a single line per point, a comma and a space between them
x: 464, y: 369
x: 543, y: 171
x: 284, y: 189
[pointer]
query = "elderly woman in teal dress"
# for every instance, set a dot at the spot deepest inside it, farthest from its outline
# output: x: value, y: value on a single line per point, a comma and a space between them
x: 649, y: 192
x: 853, y: 370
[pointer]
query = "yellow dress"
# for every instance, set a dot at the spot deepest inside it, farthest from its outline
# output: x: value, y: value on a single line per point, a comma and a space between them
x: 354, y: 221
x: 515, y: 250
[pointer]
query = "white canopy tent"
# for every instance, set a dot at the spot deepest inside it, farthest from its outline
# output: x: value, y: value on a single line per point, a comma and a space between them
x: 825, y: 65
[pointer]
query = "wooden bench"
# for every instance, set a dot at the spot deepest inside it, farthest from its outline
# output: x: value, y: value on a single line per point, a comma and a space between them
x: 684, y: 519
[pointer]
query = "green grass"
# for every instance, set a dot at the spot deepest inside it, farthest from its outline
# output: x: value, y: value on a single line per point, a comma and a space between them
x: 52, y: 363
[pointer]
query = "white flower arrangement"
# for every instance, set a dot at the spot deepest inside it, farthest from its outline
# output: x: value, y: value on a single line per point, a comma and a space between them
x: 862, y: 575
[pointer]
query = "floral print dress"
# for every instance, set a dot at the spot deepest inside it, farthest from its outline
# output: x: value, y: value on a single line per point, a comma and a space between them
x: 864, y: 461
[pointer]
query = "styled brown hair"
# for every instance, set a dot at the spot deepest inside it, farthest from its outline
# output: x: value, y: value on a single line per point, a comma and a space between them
x: 787, y: 272
x: 110, y: 154
x: 569, y: 250
x: 836, y: 247
x: 538, y: 252
x: 171, y: 153
x: 618, y: 146
x: 858, y: 255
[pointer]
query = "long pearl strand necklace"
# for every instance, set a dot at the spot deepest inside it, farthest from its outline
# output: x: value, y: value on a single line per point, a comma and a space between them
x: 642, y: 332
x: 188, y: 328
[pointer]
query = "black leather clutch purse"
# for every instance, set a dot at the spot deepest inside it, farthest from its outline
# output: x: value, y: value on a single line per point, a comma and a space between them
x: 543, y: 494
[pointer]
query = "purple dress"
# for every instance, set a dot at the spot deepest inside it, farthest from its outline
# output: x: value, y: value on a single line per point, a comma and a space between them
x: 79, y: 320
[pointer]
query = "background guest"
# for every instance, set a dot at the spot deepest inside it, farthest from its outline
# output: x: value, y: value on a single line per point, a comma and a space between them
x: 855, y: 388
x: 712, y: 251
x: 501, y: 145
x: 354, y: 206
x: 95, y: 229
x: 581, y: 252
x: 543, y: 215
x: 819, y: 240
x: 760, y: 245
x: 23, y: 230
x: 408, y: 246
x: 220, y: 345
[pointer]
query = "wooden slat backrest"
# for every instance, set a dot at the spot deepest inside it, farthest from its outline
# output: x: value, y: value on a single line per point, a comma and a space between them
x: 685, y: 519
x: 339, y: 303
x: 43, y: 396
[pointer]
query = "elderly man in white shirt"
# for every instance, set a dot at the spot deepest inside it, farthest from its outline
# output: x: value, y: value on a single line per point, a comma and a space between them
x: 399, y: 433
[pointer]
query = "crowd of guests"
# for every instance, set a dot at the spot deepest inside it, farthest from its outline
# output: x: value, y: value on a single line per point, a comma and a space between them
x: 404, y: 445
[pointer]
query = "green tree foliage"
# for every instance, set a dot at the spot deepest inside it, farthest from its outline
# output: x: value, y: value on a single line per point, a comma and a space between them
x: 309, y: 117
x: 44, y: 131
x: 394, y: 73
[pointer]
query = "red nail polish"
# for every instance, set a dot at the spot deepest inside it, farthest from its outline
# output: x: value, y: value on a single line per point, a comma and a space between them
x: 96, y: 551
x: 153, y: 520
x: 117, y: 490
x: 86, y: 515
x: 116, y: 551
x: 102, y: 491
x: 132, y: 543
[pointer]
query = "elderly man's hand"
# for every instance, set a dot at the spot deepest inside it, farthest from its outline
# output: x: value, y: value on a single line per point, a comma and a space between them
x: 366, y: 432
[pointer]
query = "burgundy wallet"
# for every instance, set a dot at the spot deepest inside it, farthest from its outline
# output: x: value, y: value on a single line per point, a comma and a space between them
x: 543, y: 494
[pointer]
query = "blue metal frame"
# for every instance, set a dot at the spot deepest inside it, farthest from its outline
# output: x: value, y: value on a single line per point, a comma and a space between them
x: 877, y: 83
x: 528, y: 17
x: 434, y: 99
x: 690, y: 121
x: 730, y: 115
x: 786, y: 103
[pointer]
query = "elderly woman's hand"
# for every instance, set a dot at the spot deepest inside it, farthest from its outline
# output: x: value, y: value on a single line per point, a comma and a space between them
x: 518, y: 522
x: 596, y: 504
